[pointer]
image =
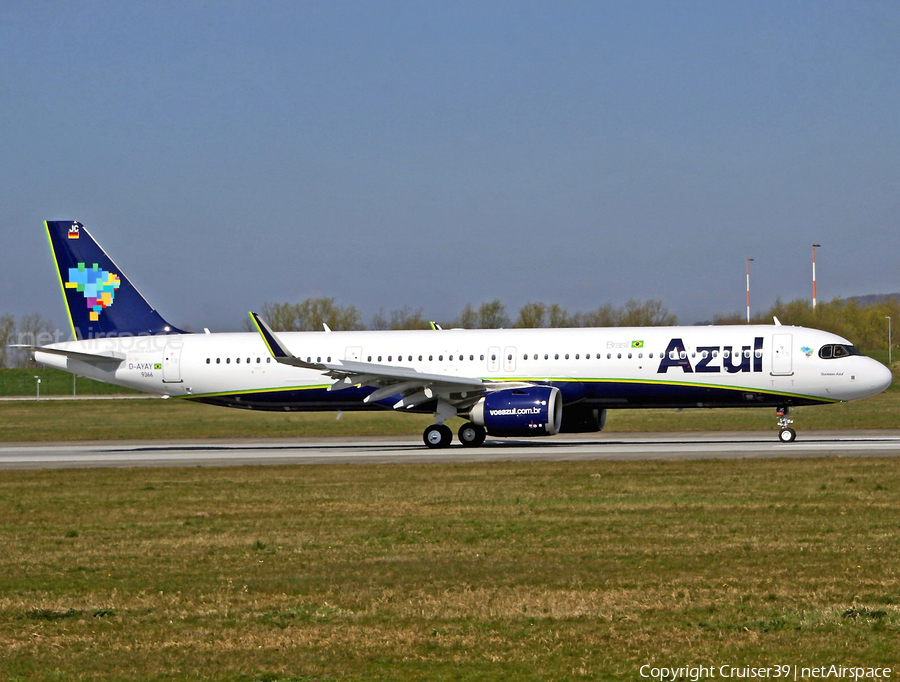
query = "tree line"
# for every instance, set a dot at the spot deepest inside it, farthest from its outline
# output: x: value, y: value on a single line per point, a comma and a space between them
x: 313, y: 313
x: 863, y: 323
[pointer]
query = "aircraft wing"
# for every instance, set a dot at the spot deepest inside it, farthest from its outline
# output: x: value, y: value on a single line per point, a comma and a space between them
x: 414, y: 387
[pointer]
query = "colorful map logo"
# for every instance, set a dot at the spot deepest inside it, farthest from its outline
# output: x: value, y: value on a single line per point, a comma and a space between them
x: 97, y: 285
x: 807, y: 351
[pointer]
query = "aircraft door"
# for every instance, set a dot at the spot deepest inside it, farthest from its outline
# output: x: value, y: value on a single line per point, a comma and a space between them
x: 493, y: 359
x: 782, y: 364
x: 509, y: 359
x: 172, y: 362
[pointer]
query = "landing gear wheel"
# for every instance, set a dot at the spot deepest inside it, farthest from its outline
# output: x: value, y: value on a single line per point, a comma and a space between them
x: 787, y: 435
x: 437, y: 436
x: 471, y: 435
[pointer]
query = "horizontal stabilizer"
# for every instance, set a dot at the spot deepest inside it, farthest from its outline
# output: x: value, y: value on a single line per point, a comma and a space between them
x: 104, y: 357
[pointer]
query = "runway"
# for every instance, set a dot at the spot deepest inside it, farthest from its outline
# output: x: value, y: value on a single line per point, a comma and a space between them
x: 161, y: 453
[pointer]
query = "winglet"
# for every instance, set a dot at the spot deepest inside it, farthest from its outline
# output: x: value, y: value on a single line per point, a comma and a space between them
x: 276, y: 348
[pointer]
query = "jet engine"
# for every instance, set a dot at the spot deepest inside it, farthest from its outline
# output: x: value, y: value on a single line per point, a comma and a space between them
x: 532, y: 411
x: 583, y: 419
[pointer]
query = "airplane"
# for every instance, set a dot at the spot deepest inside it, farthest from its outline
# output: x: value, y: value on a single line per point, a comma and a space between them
x: 503, y: 382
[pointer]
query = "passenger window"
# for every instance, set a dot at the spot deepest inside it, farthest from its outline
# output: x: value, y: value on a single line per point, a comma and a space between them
x: 268, y: 360
x: 207, y: 361
x: 629, y: 356
x: 227, y: 361
x: 420, y: 358
x: 258, y: 360
x: 237, y: 361
x: 369, y: 359
x: 618, y: 356
x: 441, y: 358
x: 430, y: 358
x: 556, y: 357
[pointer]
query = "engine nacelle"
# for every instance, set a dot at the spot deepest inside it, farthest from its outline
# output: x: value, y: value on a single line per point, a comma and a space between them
x: 583, y: 419
x: 533, y: 411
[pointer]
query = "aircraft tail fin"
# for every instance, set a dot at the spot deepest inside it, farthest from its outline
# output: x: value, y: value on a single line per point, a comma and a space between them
x: 100, y: 300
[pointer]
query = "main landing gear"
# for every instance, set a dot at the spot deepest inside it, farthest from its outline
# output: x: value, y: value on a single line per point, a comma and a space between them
x: 786, y: 433
x: 439, y: 436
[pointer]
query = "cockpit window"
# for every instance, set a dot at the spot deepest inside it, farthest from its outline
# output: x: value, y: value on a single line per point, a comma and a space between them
x: 837, y: 350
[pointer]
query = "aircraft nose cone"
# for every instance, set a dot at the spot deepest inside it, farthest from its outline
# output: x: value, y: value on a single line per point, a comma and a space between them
x: 882, y: 378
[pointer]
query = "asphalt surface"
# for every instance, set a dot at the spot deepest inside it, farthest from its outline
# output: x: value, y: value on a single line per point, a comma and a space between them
x: 411, y: 450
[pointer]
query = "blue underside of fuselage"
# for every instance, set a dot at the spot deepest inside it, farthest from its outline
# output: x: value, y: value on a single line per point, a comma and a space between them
x: 601, y: 394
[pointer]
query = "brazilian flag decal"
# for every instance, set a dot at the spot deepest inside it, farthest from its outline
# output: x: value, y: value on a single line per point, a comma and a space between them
x: 158, y: 365
x: 637, y: 344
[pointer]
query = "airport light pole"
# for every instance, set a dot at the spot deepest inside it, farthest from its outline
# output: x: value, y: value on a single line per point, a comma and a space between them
x: 889, y: 338
x: 748, y: 289
x: 814, y: 247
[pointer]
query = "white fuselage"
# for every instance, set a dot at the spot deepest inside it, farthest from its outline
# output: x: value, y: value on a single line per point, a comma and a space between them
x: 608, y: 367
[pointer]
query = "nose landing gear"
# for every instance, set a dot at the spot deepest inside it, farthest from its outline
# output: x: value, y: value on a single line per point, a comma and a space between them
x: 786, y: 433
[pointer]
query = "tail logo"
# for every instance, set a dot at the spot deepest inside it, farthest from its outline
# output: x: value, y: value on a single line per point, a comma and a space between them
x: 96, y: 284
x: 73, y: 231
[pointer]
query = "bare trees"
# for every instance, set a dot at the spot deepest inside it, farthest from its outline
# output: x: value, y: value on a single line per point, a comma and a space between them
x: 31, y: 330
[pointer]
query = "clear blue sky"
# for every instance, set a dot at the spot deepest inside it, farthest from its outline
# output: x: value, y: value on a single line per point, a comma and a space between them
x: 433, y: 153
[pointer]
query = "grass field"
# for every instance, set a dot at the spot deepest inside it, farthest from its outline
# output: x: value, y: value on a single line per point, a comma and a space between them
x: 537, y: 571
x: 54, y: 382
x: 153, y: 418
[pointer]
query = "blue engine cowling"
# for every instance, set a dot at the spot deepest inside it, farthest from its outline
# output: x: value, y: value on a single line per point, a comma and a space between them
x: 532, y: 411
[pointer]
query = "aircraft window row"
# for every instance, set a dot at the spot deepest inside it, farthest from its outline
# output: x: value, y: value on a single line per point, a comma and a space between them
x: 237, y: 361
x: 826, y: 352
x: 837, y: 350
